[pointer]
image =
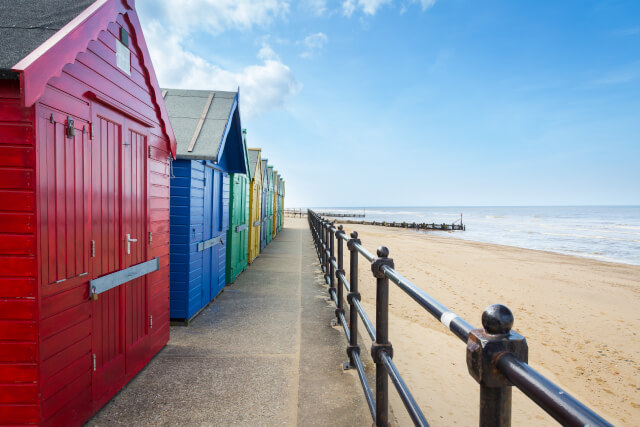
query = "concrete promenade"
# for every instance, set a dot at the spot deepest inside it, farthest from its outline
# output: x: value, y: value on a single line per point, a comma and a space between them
x: 262, y: 354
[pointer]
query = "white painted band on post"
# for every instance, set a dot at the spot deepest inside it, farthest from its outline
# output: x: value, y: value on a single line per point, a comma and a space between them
x: 447, y: 317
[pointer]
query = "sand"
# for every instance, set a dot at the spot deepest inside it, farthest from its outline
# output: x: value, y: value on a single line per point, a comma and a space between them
x: 580, y: 317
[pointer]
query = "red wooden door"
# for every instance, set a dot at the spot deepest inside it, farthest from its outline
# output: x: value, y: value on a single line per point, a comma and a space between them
x: 134, y: 229
x: 107, y: 248
x: 119, y: 230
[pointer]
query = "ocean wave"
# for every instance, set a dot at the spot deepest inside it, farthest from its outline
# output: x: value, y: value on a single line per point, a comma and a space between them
x: 591, y: 237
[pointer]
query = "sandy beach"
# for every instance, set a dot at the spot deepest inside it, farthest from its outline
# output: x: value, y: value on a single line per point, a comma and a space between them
x: 580, y: 318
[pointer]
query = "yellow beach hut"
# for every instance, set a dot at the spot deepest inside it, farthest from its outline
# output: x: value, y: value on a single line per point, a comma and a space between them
x: 255, y: 202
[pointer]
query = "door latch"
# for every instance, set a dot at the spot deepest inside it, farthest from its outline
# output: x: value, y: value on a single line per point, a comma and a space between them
x: 93, y: 249
x: 129, y: 241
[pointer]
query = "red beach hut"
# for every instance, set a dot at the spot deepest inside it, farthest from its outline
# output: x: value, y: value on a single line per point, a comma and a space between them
x: 85, y: 157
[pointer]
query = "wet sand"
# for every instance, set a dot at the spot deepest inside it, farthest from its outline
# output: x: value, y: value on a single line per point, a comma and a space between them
x: 581, y: 319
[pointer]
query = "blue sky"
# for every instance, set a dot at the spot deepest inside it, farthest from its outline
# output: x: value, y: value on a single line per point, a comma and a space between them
x: 422, y: 103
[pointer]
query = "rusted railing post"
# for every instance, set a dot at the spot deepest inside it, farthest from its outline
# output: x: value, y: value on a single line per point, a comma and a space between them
x: 484, y: 348
x: 382, y: 343
x: 340, y: 272
x: 353, y: 294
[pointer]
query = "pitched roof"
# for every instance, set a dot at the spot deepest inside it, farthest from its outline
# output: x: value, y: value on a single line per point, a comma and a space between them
x: 201, y: 120
x: 265, y: 175
x: 254, y: 156
x: 26, y: 24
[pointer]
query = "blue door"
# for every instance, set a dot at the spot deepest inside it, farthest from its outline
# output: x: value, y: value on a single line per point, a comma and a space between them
x: 207, y: 256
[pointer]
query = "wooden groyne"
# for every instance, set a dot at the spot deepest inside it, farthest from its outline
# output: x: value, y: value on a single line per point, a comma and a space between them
x: 303, y: 212
x: 343, y: 214
x: 413, y: 225
x: 295, y: 213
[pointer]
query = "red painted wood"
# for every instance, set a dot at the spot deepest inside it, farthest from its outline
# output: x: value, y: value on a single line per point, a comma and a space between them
x: 60, y: 360
x: 57, y: 402
x: 75, y: 412
x: 19, y: 373
x: 14, y: 133
x: 17, y: 330
x: 17, y: 267
x: 24, y: 287
x: 16, y: 201
x: 16, y: 156
x: 10, y: 113
x: 58, y: 342
x: 108, y: 342
x: 64, y: 300
x: 16, y: 179
x: 17, y: 223
x: 56, y: 382
x: 56, y: 195
x: 17, y: 309
x: 19, y: 352
x: 12, y: 244
x: 18, y: 393
x: 51, y: 325
x: 19, y: 414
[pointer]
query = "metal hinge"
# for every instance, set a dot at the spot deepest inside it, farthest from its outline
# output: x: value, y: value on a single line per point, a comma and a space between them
x: 149, y: 151
x: 150, y: 321
x: 93, y: 249
x: 150, y: 237
x: 93, y: 356
x: 92, y: 133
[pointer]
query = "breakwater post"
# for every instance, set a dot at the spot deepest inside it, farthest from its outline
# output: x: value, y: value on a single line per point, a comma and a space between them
x: 412, y: 225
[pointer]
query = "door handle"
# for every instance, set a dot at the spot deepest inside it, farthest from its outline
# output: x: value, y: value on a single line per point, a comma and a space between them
x: 129, y: 241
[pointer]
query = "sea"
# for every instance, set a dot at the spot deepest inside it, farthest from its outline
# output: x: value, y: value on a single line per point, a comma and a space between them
x: 606, y: 233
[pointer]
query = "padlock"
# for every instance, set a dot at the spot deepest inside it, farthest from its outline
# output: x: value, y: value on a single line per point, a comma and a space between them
x: 94, y: 294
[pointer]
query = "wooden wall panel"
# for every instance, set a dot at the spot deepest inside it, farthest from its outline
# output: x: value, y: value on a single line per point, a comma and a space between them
x: 19, y: 380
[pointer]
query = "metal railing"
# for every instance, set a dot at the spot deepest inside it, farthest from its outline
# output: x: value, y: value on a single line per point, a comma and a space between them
x: 496, y: 355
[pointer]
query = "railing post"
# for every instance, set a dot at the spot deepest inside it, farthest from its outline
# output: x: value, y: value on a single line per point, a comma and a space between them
x: 340, y: 271
x: 484, y: 348
x: 332, y: 259
x: 325, y: 246
x: 353, y: 294
x: 382, y: 343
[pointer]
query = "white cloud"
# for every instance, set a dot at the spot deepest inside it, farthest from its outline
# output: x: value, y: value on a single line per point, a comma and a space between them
x: 426, y: 4
x: 216, y: 16
x: 312, y: 44
x: 263, y: 87
x: 319, y: 7
x: 370, y: 7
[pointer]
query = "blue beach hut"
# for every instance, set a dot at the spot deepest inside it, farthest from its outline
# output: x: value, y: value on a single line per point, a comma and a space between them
x: 210, y: 147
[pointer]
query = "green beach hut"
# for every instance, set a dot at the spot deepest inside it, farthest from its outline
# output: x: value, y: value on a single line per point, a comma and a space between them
x: 238, y: 233
x: 270, y: 218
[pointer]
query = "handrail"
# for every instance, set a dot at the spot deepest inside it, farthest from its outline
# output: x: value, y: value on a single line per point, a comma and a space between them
x: 496, y: 355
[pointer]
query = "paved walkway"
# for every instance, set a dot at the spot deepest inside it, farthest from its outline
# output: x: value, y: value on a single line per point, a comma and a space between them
x: 263, y: 353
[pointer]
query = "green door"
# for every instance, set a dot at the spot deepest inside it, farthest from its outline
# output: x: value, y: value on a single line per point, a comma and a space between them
x: 238, y: 233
